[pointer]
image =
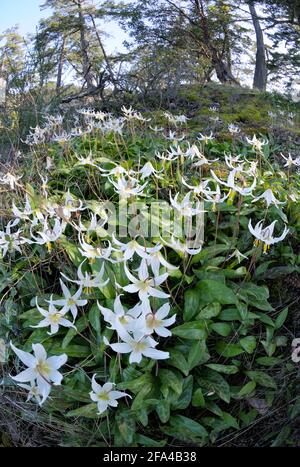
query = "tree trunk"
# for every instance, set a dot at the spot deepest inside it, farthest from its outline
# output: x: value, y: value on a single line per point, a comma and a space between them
x: 60, y: 66
x: 222, y: 70
x: 260, y: 73
x: 86, y: 66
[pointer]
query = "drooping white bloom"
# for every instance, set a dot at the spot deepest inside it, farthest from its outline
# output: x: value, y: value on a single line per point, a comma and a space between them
x: 88, y: 160
x: 62, y: 137
x: 156, y: 322
x: 26, y: 213
x: 155, y: 260
x: 42, y: 369
x: 206, y: 138
x: 71, y: 205
x: 10, y: 241
x: 87, y: 280
x: 53, y: 318
x: 172, y: 136
x: 231, y: 182
x: 290, y: 161
x: 156, y: 129
x: 257, y: 143
x: 231, y: 160
x: 48, y: 235
x: 204, y: 161
x: 138, y: 346
x: 184, y: 207
x: 105, y: 395
x: 33, y: 392
x: 171, y: 156
x: 214, y: 196
x: 147, y: 170
x: 238, y: 255
x: 145, y: 285
x: 265, y: 235
x: 127, y: 188
x: 233, y: 129
x: 117, y: 172
x: 296, y: 350
x: 119, y: 319
x: 269, y: 198
x: 132, y: 247
x: 94, y: 252
x: 10, y: 179
x: 70, y: 302
x: 181, y: 246
x: 198, y: 188
x: 94, y: 225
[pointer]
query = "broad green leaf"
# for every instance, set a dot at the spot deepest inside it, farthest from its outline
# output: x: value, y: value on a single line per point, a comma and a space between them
x: 214, y: 291
x: 198, y: 398
x: 226, y: 369
x: 198, y: 354
x: 262, y: 378
x: 210, y: 311
x: 223, y: 329
x: 191, y: 304
x: 192, y: 330
x: 247, y: 389
x: 214, y: 382
x: 248, y: 343
x: 228, y: 350
x: 281, y: 318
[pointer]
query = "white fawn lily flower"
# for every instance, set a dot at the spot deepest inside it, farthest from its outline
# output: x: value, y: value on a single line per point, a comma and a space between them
x: 127, y: 188
x: 269, y: 198
x: 128, y: 249
x: 147, y: 170
x: 233, y: 174
x: 117, y: 172
x: 71, y: 205
x: 94, y: 252
x: 48, y: 235
x: 181, y: 246
x: 172, y: 136
x: 95, y: 225
x: 233, y: 129
x: 265, y: 235
x: 155, y: 260
x: 88, y: 160
x: 10, y: 179
x: 70, y: 302
x: 184, y: 207
x: 105, y: 395
x: 214, y: 197
x: 53, y: 318
x: 198, y: 188
x: 296, y: 350
x: 171, y: 156
x: 238, y: 255
x: 88, y: 281
x: 41, y: 369
x: 290, y: 161
x: 138, y: 346
x: 231, y: 160
x: 206, y: 138
x: 119, y: 319
x: 33, y: 391
x: 145, y: 285
x: 23, y: 214
x: 156, y: 129
x: 11, y: 241
x: 204, y: 161
x: 257, y: 143
x: 156, y: 322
